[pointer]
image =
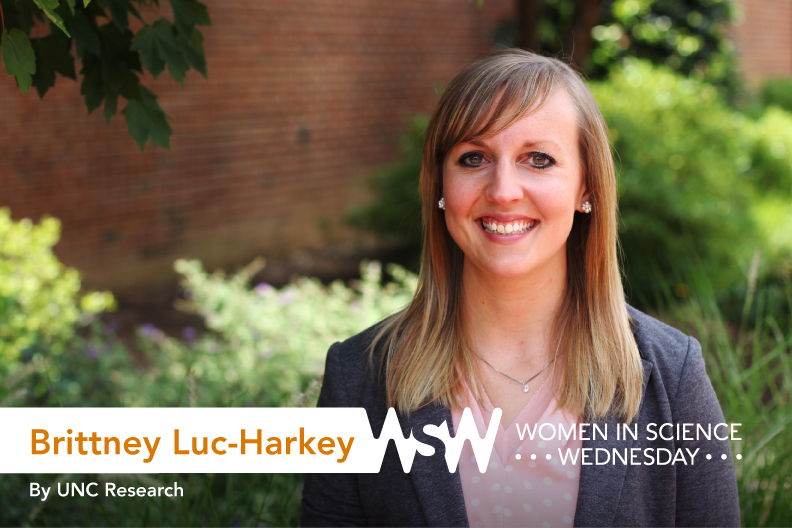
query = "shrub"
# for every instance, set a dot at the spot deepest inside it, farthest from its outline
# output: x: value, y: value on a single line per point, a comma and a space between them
x: 691, y: 38
x: 682, y: 158
x: 778, y: 92
x: 771, y: 170
x: 40, y: 302
x: 771, y: 152
x: 397, y: 215
x: 266, y: 345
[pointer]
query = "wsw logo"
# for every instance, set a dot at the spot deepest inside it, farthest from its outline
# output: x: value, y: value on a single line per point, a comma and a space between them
x: 407, y: 447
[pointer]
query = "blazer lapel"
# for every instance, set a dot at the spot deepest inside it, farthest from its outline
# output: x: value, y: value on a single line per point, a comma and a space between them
x: 600, y: 486
x: 439, y: 492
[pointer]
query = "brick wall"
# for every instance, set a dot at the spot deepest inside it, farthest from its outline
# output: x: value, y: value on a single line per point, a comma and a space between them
x: 304, y: 99
x: 764, y: 38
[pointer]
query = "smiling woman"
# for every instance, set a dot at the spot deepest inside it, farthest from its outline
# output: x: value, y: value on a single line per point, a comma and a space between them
x: 520, y: 307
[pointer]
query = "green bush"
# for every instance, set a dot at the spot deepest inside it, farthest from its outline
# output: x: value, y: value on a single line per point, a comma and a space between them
x: 771, y: 170
x: 40, y: 302
x: 265, y: 345
x: 691, y: 38
x: 778, y: 92
x: 397, y: 215
x: 683, y: 160
x: 771, y: 152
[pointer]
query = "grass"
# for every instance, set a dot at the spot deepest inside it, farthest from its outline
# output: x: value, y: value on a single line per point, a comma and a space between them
x: 750, y: 366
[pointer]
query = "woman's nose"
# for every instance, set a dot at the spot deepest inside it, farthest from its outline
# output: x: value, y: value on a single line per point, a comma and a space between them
x: 504, y: 185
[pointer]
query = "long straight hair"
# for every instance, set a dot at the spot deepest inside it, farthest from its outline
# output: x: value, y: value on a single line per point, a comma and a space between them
x: 426, y: 356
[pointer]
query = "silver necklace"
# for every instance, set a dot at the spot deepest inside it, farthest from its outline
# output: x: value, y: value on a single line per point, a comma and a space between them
x: 523, y: 383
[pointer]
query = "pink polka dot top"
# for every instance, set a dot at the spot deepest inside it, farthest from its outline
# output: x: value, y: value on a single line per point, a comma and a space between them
x: 525, y: 483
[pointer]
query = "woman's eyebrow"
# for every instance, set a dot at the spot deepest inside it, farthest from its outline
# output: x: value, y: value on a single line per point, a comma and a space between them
x: 527, y: 144
x: 533, y: 144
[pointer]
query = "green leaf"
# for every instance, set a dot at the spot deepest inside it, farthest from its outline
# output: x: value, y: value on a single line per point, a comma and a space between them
x: 159, y: 45
x: 170, y: 50
x: 192, y: 47
x: 92, y: 86
x: 188, y: 14
x: 71, y: 4
x: 19, y: 57
x: 86, y: 36
x: 119, y: 11
x: 117, y: 58
x: 86, y: 2
x: 53, y: 54
x: 49, y: 6
x: 145, y: 41
x: 130, y: 88
x: 145, y: 119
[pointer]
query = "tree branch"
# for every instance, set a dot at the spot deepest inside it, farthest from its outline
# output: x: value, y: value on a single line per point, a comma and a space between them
x: 578, y: 41
x: 528, y: 24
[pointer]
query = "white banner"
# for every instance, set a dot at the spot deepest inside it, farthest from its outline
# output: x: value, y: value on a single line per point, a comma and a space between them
x: 216, y: 440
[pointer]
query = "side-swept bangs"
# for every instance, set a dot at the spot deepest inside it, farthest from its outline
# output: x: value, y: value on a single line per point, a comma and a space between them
x: 484, y: 99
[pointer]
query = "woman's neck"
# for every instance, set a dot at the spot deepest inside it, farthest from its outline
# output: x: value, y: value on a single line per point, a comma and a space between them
x: 511, y: 320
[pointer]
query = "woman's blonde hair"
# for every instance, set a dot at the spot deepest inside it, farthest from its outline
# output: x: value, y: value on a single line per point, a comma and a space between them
x: 426, y: 357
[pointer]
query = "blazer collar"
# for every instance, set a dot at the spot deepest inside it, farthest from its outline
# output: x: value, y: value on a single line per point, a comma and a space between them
x: 439, y: 491
x: 600, y: 486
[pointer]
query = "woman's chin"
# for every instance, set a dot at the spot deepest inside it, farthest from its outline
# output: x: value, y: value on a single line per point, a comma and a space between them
x: 508, y: 270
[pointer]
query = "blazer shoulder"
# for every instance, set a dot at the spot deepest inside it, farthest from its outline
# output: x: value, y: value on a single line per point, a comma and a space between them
x: 355, y: 350
x: 665, y: 347
x: 351, y: 370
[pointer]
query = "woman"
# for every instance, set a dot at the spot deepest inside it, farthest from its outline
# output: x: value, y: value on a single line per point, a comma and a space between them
x: 520, y: 307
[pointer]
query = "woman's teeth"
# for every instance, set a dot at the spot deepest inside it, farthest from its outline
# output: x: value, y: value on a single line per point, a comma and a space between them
x: 515, y: 228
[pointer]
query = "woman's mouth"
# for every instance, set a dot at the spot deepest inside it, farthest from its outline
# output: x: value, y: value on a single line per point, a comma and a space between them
x: 515, y: 227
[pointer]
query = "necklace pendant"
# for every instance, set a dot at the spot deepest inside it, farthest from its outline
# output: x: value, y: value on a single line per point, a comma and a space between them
x: 525, y: 387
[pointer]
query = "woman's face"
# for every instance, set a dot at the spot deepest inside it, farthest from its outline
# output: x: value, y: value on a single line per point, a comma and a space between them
x: 510, y: 199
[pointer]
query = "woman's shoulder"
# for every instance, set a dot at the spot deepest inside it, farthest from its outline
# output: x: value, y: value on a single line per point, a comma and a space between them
x: 674, y: 356
x: 655, y: 338
x: 350, y: 369
x: 355, y: 350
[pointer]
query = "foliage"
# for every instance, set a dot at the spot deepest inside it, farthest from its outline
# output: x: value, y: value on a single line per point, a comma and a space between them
x: 684, y: 179
x: 771, y: 169
x: 752, y: 376
x: 689, y: 37
x: 111, y: 55
x: 397, y: 215
x: 39, y: 297
x: 265, y: 347
x: 266, y: 344
x: 778, y: 92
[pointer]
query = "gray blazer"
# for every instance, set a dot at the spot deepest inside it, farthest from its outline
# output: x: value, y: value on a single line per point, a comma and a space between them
x: 676, y: 389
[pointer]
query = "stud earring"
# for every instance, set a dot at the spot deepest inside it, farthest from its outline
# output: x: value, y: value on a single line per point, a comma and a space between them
x: 441, y: 203
x: 586, y: 207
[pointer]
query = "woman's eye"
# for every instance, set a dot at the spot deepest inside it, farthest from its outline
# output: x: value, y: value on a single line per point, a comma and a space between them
x: 541, y: 161
x: 471, y: 159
